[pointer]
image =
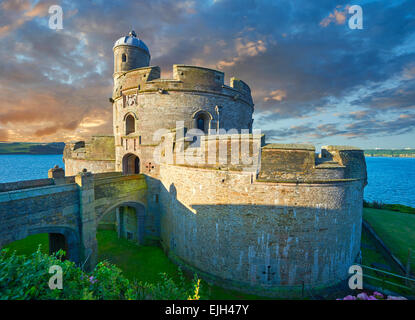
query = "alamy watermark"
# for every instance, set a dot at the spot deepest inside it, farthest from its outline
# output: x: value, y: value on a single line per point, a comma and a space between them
x: 56, y: 17
x: 356, y: 279
x: 220, y: 146
x: 356, y: 21
x: 56, y: 281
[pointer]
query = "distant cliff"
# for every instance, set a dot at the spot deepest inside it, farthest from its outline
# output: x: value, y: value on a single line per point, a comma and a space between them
x: 398, y: 153
x: 31, y: 148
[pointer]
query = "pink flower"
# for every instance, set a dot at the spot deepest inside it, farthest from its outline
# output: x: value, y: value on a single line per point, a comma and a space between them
x: 349, y: 297
x: 372, y: 298
x: 363, y: 296
x: 92, y: 279
x: 378, y: 295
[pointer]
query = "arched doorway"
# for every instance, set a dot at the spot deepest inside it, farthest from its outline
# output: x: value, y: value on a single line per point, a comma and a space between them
x: 129, y: 124
x: 127, y: 219
x: 202, y: 121
x: 130, y: 164
x: 52, y: 239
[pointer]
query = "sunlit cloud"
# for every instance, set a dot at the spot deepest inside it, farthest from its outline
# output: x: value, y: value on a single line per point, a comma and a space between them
x: 309, y: 81
x: 338, y: 16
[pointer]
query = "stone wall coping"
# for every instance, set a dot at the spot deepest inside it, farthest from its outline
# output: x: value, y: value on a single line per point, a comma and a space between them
x: 340, y: 148
x: 36, y: 192
x: 248, y: 173
x: 196, y: 91
x: 305, y: 182
x: 175, y: 66
x: 104, y: 180
x: 25, y: 184
x: 74, y: 157
x: 266, y: 182
x: 290, y: 146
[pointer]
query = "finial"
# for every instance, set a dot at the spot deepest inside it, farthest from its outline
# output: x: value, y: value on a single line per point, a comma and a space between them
x: 132, y: 34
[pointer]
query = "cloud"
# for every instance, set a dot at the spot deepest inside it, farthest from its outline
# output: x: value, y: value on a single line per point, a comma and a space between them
x: 402, y: 124
x: 337, y: 17
x: 4, y: 135
x: 16, y: 13
x: 277, y: 95
x: 243, y: 50
x: 296, y: 67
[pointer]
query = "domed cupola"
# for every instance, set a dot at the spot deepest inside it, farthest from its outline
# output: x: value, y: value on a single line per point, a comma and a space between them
x: 132, y: 40
x: 130, y: 52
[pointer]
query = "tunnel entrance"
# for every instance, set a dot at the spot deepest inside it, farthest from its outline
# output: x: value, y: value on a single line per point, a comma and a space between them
x: 49, y: 243
x: 126, y: 219
x: 57, y: 242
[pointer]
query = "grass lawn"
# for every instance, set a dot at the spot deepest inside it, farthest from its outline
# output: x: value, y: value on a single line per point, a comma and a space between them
x: 137, y: 262
x: 396, y: 229
x: 373, y: 255
x: 30, y: 244
x: 146, y: 263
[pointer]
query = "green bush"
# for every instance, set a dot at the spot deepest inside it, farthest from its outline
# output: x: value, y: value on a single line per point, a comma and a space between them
x: 27, y: 277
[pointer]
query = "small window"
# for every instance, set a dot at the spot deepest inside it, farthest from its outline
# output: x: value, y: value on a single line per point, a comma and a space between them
x: 129, y: 124
x: 124, y: 57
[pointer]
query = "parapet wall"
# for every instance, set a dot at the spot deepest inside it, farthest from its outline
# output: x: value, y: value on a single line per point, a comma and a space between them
x: 96, y: 155
x: 235, y: 152
x: 300, y: 163
x: 272, y: 162
x: 185, y: 78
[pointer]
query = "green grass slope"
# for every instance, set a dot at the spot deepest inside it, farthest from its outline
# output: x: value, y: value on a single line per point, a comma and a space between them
x: 396, y: 229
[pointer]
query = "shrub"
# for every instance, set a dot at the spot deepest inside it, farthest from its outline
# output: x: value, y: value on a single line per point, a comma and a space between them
x: 27, y: 277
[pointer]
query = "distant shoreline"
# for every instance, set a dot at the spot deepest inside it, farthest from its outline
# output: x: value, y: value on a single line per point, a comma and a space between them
x: 390, y: 156
x: 30, y: 154
x: 30, y: 148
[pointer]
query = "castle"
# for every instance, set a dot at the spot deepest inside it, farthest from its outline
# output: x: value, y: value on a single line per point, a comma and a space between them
x: 271, y: 219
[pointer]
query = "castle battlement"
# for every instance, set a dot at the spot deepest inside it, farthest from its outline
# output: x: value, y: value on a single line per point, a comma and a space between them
x: 185, y: 78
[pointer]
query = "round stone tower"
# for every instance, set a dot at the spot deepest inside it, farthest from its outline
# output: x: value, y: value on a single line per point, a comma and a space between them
x: 130, y: 53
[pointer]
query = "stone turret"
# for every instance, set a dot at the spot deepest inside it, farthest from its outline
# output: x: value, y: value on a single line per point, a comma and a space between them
x: 130, y: 53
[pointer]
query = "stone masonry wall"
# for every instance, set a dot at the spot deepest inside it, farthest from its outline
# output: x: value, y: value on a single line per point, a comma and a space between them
x: 24, y: 211
x: 260, y: 236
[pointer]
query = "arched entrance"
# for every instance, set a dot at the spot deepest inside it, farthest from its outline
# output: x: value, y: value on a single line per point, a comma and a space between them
x: 130, y: 164
x: 202, y: 121
x: 52, y: 238
x: 128, y: 220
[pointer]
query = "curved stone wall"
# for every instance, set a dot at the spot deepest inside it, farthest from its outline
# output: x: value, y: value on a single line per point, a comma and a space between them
x: 161, y: 111
x: 260, y: 237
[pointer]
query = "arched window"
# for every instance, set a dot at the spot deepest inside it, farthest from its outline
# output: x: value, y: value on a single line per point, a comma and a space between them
x: 124, y: 57
x: 129, y: 124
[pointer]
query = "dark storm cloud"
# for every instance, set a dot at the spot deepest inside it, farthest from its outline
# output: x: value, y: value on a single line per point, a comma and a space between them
x: 361, y: 128
x: 296, y: 62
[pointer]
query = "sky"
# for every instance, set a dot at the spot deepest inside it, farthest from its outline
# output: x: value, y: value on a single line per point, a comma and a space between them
x: 313, y: 78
